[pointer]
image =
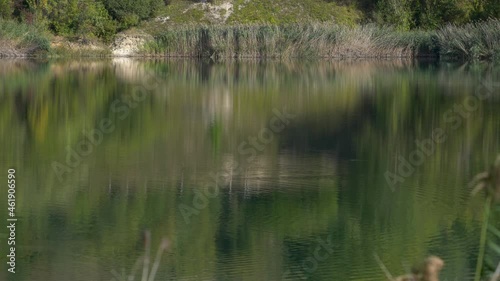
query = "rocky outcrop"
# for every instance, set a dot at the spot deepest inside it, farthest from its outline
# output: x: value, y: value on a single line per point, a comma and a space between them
x: 212, y: 13
x: 129, y: 45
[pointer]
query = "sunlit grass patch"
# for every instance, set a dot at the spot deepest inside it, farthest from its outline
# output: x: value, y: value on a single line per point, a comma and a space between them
x: 19, y: 39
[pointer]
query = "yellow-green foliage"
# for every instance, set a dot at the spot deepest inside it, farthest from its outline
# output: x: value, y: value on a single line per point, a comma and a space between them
x: 401, y: 14
x: 265, y: 11
x: 288, y: 11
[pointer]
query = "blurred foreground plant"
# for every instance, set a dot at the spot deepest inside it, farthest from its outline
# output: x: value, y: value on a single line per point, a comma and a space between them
x: 489, y: 250
x: 148, y: 274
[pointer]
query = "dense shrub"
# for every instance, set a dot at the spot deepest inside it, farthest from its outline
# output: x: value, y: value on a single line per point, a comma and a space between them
x: 492, y: 8
x: 428, y: 14
x: 130, y: 12
x: 61, y: 15
x: 6, y: 8
x: 81, y: 18
x: 95, y: 21
x: 395, y: 13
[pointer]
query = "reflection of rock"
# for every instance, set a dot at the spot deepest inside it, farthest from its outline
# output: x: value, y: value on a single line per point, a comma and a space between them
x: 218, y: 105
x: 129, y: 69
x: 126, y: 45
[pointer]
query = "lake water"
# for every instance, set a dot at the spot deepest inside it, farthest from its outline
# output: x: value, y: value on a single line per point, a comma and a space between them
x: 252, y: 170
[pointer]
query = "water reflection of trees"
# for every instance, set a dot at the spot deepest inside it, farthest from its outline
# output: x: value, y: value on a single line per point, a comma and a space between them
x: 349, y: 116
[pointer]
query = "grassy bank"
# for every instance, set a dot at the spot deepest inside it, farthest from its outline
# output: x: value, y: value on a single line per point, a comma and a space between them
x: 479, y: 41
x: 18, y: 39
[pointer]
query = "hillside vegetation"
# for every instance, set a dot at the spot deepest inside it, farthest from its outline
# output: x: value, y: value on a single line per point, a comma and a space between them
x: 260, y: 11
x: 103, y: 18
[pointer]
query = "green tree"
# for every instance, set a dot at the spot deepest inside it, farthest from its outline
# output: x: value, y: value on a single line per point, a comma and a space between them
x: 61, y: 15
x: 82, y: 18
x: 94, y: 20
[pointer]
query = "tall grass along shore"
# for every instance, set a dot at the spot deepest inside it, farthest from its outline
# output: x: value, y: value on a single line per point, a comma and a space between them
x: 320, y: 40
x: 480, y: 41
x: 474, y: 41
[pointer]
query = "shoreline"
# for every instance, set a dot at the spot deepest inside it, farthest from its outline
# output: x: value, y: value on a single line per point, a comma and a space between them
x: 471, y: 42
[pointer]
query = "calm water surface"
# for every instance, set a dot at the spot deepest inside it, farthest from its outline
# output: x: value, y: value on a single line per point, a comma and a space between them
x: 285, y: 189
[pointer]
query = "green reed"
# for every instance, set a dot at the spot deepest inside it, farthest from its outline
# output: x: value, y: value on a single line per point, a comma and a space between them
x: 319, y: 40
x: 475, y: 41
